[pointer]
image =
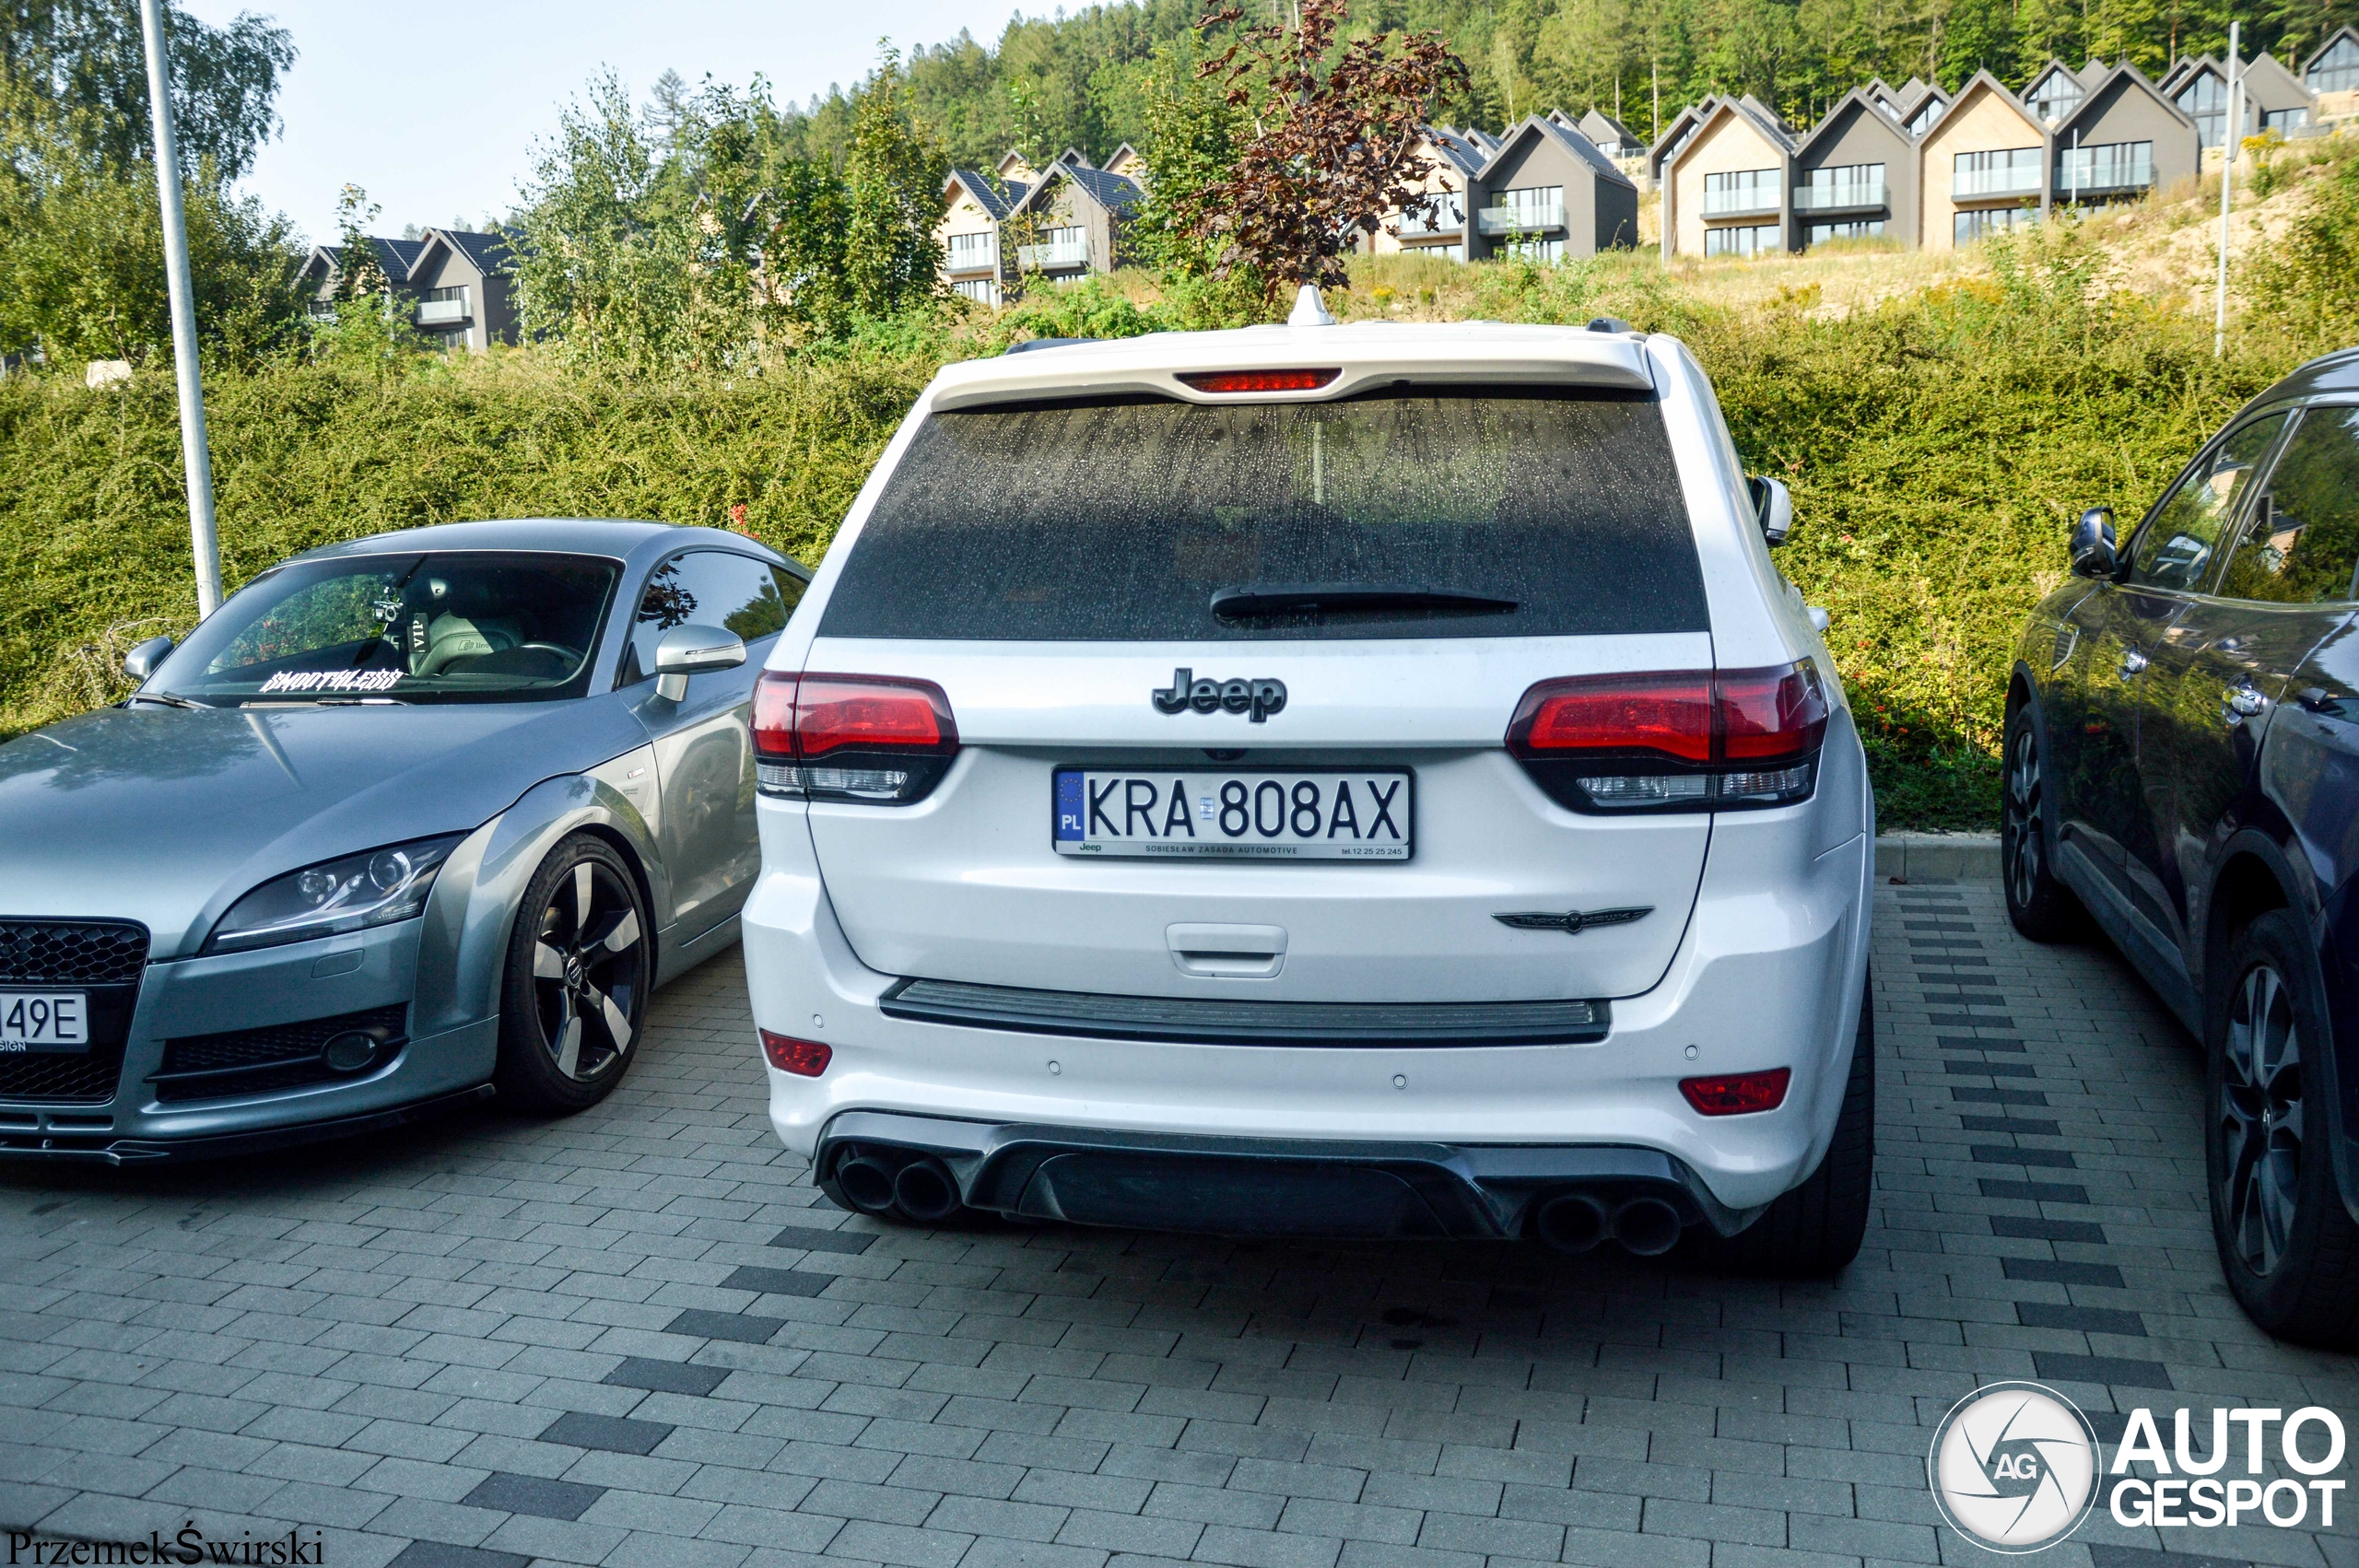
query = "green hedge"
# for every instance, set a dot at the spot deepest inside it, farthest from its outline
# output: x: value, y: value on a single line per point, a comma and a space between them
x: 1938, y: 449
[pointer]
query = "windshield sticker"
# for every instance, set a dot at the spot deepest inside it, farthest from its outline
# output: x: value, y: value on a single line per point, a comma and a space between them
x: 333, y: 681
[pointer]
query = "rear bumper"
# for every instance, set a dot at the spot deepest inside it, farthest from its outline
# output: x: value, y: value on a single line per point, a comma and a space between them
x: 1265, y: 1186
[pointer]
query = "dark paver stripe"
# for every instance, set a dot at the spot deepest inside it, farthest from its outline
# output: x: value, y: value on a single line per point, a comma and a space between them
x: 2055, y: 1272
x: 614, y: 1434
x: 1973, y: 1096
x: 2027, y: 1126
x: 2102, y: 1369
x: 2088, y: 1319
x: 1995, y: 1154
x: 2020, y: 1229
x: 533, y: 1494
x: 1968, y: 1043
x: 1964, y: 1021
x: 854, y: 1242
x: 1957, y: 1069
x: 777, y: 1281
x: 2035, y: 1191
x: 666, y: 1376
x: 742, y: 1326
x: 2104, y: 1554
x: 1932, y: 926
x: 443, y: 1554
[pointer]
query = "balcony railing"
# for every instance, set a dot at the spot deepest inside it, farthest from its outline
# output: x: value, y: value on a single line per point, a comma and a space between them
x: 1742, y: 201
x: 1851, y: 196
x: 2088, y: 169
x: 1445, y: 214
x: 971, y: 252
x: 1052, y: 256
x: 2015, y: 182
x: 1540, y: 217
x: 441, y: 313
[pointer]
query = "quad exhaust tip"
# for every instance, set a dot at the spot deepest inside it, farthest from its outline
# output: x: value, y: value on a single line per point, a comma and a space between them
x: 925, y: 1191
x: 1575, y: 1222
x: 867, y: 1183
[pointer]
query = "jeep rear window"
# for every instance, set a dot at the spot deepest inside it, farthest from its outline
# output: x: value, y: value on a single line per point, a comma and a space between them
x: 1120, y: 519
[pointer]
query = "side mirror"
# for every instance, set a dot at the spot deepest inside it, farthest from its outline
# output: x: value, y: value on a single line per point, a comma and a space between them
x: 2093, y: 549
x: 141, y: 661
x: 1773, y: 508
x: 693, y: 651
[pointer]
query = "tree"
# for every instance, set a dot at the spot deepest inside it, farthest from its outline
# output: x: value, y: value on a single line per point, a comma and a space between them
x: 894, y: 172
x: 1189, y: 145
x: 85, y: 57
x: 1334, y: 144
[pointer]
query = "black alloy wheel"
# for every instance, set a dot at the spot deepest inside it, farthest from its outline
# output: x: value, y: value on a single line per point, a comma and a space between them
x: 2041, y: 908
x: 578, y: 974
x: 2287, y: 1243
x: 2259, y: 1107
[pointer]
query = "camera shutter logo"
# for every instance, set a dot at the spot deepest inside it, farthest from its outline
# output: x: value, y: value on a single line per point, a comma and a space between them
x: 2013, y: 1467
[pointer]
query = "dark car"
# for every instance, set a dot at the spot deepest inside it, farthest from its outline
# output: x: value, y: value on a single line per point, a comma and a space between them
x: 2182, y: 764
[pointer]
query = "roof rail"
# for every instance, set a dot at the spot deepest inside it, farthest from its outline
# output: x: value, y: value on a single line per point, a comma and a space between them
x: 1032, y: 343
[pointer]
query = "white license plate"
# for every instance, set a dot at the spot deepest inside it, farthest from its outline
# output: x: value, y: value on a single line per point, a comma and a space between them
x: 43, y: 1020
x: 1321, y: 815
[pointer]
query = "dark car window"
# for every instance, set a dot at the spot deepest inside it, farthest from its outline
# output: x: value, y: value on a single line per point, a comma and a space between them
x: 2177, y: 547
x: 709, y: 588
x: 2301, y: 541
x: 1120, y: 519
x: 450, y: 626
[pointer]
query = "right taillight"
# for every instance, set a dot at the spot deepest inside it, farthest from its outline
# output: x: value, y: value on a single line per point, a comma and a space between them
x: 878, y: 740
x: 1704, y: 740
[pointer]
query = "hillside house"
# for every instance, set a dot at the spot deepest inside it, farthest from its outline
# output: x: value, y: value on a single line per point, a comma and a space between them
x: 1440, y: 229
x: 1855, y: 177
x: 1069, y: 224
x: 455, y: 284
x: 974, y: 205
x: 1985, y: 163
x: 1550, y: 193
x: 2123, y: 140
x: 1724, y: 187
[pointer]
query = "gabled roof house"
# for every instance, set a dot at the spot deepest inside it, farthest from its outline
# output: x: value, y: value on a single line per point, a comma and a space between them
x: 2333, y: 65
x: 1724, y: 186
x: 1070, y: 222
x: 974, y: 205
x: 456, y: 284
x: 1550, y: 193
x: 1856, y: 176
x: 2124, y: 139
x: 1919, y: 104
x: 1440, y: 230
x: 1676, y: 136
x: 1985, y: 160
x: 1611, y: 136
x: 2275, y: 97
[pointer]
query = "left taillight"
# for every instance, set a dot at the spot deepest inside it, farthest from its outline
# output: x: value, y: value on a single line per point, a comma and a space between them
x: 805, y: 1059
x: 1702, y: 740
x: 877, y: 740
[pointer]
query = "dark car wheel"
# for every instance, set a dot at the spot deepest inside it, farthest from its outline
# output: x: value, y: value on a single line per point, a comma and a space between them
x: 2041, y: 908
x: 578, y: 974
x: 1816, y: 1230
x: 2287, y: 1244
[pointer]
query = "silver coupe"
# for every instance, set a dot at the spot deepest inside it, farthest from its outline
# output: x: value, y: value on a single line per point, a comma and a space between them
x: 404, y: 819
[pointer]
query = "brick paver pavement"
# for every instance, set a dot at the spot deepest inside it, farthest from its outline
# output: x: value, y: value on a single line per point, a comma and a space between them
x: 641, y: 1336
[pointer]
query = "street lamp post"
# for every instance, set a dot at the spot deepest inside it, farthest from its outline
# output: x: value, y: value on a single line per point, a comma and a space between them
x: 194, y: 454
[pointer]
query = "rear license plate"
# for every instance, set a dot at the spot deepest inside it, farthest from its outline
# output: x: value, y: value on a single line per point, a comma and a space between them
x: 1328, y: 815
x: 43, y: 1020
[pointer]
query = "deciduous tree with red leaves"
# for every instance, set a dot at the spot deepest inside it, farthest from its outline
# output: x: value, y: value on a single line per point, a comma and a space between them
x: 1334, y: 141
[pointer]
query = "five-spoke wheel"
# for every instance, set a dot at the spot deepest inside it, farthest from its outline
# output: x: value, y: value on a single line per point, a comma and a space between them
x: 2040, y: 906
x: 577, y: 976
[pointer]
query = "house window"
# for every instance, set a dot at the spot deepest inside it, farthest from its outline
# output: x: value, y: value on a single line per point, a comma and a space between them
x: 1755, y: 240
x: 1548, y: 250
x: 1842, y: 186
x: 2004, y: 171
x: 1922, y: 121
x: 1058, y: 248
x: 1859, y: 229
x: 1975, y: 222
x: 2337, y: 70
x: 1445, y: 215
x: 442, y: 308
x: 2205, y: 101
x: 2105, y: 168
x: 965, y: 252
x: 1742, y: 191
x: 981, y: 291
x: 2284, y: 122
x: 2055, y: 95
x: 1529, y: 209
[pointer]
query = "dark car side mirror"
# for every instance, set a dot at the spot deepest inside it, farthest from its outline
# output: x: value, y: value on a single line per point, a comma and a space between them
x: 2093, y: 549
x: 141, y: 661
x: 1773, y: 508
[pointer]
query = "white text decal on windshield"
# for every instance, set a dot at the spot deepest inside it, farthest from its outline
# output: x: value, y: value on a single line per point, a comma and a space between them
x: 332, y: 681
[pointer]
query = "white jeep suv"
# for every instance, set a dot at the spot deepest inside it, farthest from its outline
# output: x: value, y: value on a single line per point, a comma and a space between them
x: 1332, y: 781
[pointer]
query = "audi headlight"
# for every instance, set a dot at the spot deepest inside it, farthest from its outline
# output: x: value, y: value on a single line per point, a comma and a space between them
x: 373, y: 888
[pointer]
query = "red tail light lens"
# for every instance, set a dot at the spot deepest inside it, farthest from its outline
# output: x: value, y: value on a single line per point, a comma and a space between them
x: 805, y: 1059
x: 1696, y: 740
x: 1738, y: 1094
x: 1258, y: 381
x: 883, y: 740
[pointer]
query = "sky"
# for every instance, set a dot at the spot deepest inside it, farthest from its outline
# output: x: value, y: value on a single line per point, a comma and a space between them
x: 433, y: 106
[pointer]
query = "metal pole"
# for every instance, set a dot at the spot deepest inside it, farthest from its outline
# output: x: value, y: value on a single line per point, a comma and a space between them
x: 2227, y: 189
x: 195, y: 455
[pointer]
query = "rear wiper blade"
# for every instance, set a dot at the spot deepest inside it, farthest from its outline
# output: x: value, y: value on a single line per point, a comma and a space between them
x: 1277, y: 598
